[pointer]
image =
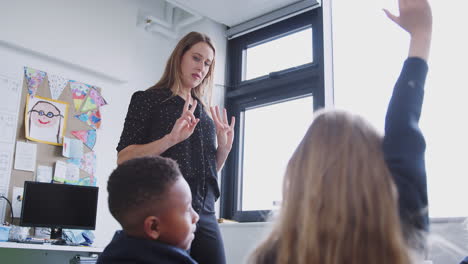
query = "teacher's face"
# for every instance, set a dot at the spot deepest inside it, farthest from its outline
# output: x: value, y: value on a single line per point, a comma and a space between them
x: 195, y: 64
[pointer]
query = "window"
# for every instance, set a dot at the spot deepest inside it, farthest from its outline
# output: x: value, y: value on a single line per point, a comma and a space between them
x: 265, y: 156
x: 279, y: 53
x: 379, y: 55
x: 276, y: 82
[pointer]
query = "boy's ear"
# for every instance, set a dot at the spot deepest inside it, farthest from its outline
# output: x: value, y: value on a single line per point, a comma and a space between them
x: 151, y: 227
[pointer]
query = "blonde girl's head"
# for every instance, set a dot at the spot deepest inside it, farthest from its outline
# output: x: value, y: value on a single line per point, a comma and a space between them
x: 339, y: 200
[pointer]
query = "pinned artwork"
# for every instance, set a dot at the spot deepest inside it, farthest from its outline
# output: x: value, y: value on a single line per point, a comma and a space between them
x: 45, y: 120
x: 92, y: 118
x: 93, y: 101
x: 88, y: 163
x: 72, y: 174
x: 44, y: 173
x: 88, y: 137
x: 87, y: 181
x: 72, y: 148
x: 60, y: 172
x: 56, y: 85
x: 79, y: 92
x: 48, y: 101
x: 34, y: 78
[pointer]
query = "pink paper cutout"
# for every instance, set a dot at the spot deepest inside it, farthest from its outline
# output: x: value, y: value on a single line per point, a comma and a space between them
x: 88, y: 137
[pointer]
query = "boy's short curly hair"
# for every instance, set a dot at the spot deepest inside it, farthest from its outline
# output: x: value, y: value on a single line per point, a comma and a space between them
x: 136, y: 182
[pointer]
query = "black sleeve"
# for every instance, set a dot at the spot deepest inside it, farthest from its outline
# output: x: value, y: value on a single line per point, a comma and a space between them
x: 137, y: 122
x: 404, y: 145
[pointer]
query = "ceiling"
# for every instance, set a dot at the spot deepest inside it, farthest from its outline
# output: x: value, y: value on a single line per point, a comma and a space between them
x: 232, y: 12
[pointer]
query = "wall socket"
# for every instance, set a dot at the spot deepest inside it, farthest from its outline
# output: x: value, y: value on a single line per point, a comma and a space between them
x: 17, y: 201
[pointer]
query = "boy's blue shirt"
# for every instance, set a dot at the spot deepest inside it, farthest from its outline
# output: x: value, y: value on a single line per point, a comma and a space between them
x: 124, y: 249
x: 464, y: 261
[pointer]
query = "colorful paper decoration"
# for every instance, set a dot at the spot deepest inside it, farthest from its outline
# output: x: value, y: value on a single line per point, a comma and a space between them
x: 92, y: 118
x: 79, y: 92
x: 76, y: 161
x: 88, y: 137
x: 56, y: 85
x: 87, y: 181
x: 93, y: 101
x: 88, y: 163
x: 34, y: 78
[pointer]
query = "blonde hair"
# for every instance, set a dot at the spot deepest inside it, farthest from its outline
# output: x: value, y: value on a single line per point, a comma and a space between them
x: 339, y: 200
x: 171, y: 76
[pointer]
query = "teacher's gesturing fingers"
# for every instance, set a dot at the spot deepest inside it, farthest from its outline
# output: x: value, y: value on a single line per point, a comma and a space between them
x: 224, y: 130
x: 186, y: 123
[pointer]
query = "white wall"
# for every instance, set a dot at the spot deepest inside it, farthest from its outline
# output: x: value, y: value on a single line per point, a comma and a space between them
x: 96, y: 42
x: 79, y: 32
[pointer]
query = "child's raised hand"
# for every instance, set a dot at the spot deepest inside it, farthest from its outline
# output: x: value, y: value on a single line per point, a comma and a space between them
x: 415, y: 16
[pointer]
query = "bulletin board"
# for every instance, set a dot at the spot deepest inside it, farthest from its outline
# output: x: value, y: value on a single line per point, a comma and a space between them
x: 56, y: 113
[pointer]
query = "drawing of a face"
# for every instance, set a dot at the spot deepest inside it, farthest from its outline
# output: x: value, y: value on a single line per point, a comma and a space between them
x: 45, y: 114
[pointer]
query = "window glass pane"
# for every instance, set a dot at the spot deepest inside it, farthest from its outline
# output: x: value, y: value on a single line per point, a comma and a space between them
x: 364, y: 79
x: 282, y: 53
x: 271, y: 135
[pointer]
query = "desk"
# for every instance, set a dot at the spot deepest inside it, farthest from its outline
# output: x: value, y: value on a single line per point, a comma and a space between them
x: 12, y: 253
x: 50, y: 247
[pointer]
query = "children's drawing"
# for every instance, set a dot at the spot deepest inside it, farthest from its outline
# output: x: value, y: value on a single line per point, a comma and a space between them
x: 56, y: 85
x: 45, y: 120
x: 34, y: 78
x: 87, y: 181
x: 88, y: 137
x: 93, y: 101
x: 79, y: 92
x: 88, y: 163
x: 92, y: 118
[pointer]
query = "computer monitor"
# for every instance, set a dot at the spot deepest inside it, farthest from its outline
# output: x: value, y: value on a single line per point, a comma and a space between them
x: 59, y: 206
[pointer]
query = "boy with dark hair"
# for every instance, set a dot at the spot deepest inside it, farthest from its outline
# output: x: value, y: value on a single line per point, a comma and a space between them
x: 152, y: 201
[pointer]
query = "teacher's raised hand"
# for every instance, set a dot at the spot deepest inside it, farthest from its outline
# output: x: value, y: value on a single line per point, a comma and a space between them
x: 185, y: 125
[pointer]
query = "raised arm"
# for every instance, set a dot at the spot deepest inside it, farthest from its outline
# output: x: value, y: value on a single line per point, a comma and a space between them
x: 404, y: 144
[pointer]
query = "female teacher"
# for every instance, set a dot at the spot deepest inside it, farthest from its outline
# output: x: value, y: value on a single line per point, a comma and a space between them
x: 171, y: 119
